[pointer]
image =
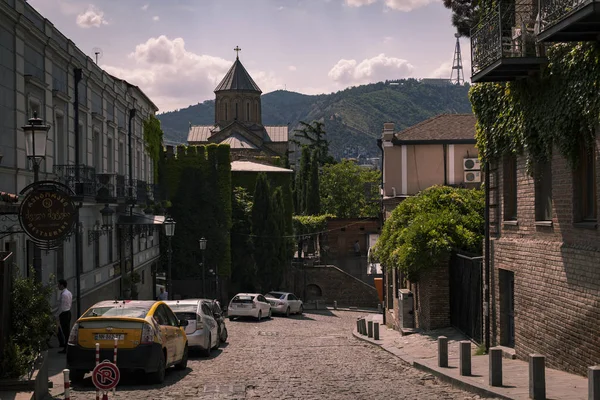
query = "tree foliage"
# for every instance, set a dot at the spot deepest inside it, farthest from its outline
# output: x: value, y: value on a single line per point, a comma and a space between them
x: 424, y: 229
x: 350, y: 191
x: 243, y: 275
x: 465, y: 14
x: 313, y: 137
x: 153, y: 136
x: 313, y: 193
x: 32, y: 323
x: 301, y: 181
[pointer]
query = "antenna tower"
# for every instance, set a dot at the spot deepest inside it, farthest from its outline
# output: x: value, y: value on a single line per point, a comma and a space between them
x: 457, y: 78
x: 97, y: 53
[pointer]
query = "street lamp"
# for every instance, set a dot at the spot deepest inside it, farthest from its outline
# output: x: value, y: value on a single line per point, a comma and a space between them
x: 36, y: 135
x: 107, y: 214
x: 202, y: 243
x: 169, y: 231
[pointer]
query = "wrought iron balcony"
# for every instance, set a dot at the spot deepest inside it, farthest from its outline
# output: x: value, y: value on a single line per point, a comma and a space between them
x: 121, y: 186
x: 503, y: 46
x: 156, y: 192
x: 569, y: 20
x: 80, y: 178
x: 106, y: 188
x: 141, y: 192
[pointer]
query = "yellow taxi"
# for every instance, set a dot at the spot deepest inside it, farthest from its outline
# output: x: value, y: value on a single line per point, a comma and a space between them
x: 149, y: 336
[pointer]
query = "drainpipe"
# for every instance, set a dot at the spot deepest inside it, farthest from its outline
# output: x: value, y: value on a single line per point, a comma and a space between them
x: 445, y: 147
x: 381, y: 221
x: 487, y: 255
x: 78, y: 236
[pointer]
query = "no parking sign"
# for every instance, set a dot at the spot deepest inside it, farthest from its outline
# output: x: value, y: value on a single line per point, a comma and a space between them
x: 106, y: 375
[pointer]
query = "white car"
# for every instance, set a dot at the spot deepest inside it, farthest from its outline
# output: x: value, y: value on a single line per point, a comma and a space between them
x: 285, y: 303
x: 249, y: 305
x: 202, y: 330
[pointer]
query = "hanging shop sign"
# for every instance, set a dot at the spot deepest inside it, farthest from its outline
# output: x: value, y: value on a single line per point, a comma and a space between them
x: 47, y: 213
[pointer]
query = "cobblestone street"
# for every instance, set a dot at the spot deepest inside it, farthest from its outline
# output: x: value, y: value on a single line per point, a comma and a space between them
x: 313, y: 356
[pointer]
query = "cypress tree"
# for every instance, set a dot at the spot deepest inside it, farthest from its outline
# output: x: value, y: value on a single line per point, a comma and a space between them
x: 262, y: 230
x: 302, y: 181
x: 280, y: 242
x: 313, y: 196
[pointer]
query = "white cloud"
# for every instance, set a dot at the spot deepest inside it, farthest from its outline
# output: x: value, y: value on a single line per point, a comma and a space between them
x: 292, y: 68
x: 406, y: 5
x: 359, y: 3
x: 379, y: 68
x: 387, y: 39
x: 92, y: 17
x: 280, y: 8
x: 174, y: 77
x: 443, y: 71
x: 155, y: 18
x: 145, y: 7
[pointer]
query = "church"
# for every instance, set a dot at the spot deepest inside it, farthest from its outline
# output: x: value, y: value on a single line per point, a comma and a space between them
x: 238, y: 120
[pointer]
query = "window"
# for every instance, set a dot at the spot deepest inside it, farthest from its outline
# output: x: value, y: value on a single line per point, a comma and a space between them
x: 585, y: 186
x: 121, y: 158
x: 61, y: 146
x: 236, y: 110
x: 225, y: 106
x: 110, y: 246
x: 82, y: 146
x: 138, y: 160
x: 97, y: 151
x: 247, y: 111
x: 110, y: 152
x: 543, y: 191
x: 510, y: 188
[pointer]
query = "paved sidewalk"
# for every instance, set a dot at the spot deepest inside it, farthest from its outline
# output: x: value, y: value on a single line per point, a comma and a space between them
x: 420, y: 350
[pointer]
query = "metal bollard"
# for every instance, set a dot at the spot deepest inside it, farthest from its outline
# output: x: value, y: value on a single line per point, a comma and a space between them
x: 495, y: 366
x: 442, y: 352
x: 465, y: 357
x: 376, y: 331
x: 67, y: 383
x: 370, y: 328
x: 594, y: 382
x: 335, y: 304
x: 537, y: 377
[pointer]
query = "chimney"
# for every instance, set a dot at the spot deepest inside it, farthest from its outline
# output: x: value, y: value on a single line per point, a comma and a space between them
x: 388, y: 131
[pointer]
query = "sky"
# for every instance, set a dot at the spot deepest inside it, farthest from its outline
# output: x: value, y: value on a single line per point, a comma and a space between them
x: 177, y: 51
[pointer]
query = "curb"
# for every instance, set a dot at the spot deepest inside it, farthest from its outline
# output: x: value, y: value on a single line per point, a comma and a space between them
x: 476, y: 389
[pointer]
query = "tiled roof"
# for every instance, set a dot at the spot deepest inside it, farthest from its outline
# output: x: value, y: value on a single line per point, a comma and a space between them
x: 237, y: 141
x: 446, y: 127
x: 249, y: 166
x: 199, y: 133
x: 237, y: 78
x: 277, y: 133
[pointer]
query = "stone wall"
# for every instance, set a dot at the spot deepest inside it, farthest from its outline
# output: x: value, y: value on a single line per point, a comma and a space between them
x: 556, y: 277
x: 432, y: 299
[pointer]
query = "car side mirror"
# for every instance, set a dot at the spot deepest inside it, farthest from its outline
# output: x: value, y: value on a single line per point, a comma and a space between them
x: 183, y: 323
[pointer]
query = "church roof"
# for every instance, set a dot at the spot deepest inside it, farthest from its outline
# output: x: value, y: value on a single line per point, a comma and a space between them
x: 237, y: 141
x: 237, y: 78
x: 201, y: 133
x: 249, y: 166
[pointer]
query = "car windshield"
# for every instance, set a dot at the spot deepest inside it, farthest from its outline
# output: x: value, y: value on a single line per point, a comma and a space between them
x: 275, y: 295
x: 243, y: 299
x: 110, y: 311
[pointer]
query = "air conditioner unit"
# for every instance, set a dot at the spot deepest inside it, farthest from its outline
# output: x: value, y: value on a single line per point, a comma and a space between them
x: 472, y: 176
x: 471, y: 164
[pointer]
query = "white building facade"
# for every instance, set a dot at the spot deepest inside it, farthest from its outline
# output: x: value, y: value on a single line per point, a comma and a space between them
x: 37, y: 75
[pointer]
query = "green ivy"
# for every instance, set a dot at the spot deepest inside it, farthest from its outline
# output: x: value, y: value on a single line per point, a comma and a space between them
x: 310, y: 224
x: 558, y: 109
x: 153, y: 136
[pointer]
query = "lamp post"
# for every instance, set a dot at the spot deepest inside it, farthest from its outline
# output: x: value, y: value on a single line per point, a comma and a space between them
x: 202, y: 243
x: 36, y: 135
x: 169, y: 231
x: 107, y: 214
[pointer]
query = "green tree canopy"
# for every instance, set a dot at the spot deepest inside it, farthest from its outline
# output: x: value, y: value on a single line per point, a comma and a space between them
x: 424, y: 229
x: 243, y: 267
x: 313, y: 136
x: 349, y: 191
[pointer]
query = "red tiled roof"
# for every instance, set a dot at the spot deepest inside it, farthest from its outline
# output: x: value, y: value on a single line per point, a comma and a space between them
x: 445, y: 127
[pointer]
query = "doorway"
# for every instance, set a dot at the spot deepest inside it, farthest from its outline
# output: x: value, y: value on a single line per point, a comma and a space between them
x: 507, y: 308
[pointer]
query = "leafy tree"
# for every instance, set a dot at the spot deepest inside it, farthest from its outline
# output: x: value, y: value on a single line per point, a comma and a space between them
x: 243, y: 274
x: 425, y: 229
x: 465, y: 14
x: 313, y: 201
x: 314, y: 134
x: 349, y: 191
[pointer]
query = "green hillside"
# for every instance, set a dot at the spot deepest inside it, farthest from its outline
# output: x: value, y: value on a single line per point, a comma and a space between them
x: 353, y: 117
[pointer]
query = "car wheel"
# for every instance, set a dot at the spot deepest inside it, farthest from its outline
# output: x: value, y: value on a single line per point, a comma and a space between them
x: 76, y: 375
x: 287, y: 312
x: 183, y: 363
x: 301, y: 309
x: 259, y: 317
x: 159, y: 375
x: 206, y: 351
x: 224, y: 335
x: 231, y: 318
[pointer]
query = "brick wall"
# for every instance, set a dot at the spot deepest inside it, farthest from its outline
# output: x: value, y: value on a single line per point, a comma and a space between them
x: 432, y: 299
x: 556, y: 278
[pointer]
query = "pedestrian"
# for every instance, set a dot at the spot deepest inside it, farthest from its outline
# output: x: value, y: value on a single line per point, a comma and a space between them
x: 64, y: 315
x: 163, y: 294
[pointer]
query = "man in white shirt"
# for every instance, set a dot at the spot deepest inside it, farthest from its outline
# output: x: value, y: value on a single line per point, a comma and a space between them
x: 163, y: 295
x: 64, y: 314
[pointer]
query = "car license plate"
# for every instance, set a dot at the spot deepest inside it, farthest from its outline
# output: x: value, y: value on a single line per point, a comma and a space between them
x: 109, y: 336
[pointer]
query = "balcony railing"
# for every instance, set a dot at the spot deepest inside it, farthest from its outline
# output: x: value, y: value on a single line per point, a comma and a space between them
x: 503, y: 46
x: 141, y: 192
x: 569, y: 20
x: 121, y: 186
x: 106, y: 188
x: 80, y: 178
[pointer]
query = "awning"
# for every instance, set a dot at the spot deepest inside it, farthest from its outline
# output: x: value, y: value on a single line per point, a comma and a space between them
x: 141, y: 220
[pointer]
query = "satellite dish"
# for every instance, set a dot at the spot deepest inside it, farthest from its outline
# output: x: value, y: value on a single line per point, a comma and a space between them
x: 97, y: 53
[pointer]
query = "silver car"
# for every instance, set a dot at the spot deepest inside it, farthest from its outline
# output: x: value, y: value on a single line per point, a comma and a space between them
x: 284, y: 303
x: 202, y: 329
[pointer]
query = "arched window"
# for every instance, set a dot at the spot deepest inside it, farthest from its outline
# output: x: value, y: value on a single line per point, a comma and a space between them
x: 236, y: 110
x: 225, y: 107
x: 248, y: 111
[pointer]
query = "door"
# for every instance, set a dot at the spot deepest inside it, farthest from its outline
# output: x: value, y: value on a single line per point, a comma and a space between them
x: 293, y: 300
x: 207, y: 315
x: 168, y: 333
x: 507, y: 307
x: 264, y: 305
x: 178, y: 337
x: 466, y: 314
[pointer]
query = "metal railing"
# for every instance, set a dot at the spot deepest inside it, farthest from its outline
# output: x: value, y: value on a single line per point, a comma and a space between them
x: 553, y: 11
x: 505, y: 32
x: 106, y: 188
x: 80, y: 178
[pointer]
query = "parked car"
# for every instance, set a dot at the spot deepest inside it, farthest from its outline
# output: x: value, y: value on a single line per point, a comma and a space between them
x: 220, y: 318
x: 150, y: 338
x: 202, y: 329
x: 284, y: 303
x: 249, y: 305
